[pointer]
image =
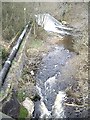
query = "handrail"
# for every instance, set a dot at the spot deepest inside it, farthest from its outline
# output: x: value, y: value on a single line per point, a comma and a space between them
x: 7, y: 65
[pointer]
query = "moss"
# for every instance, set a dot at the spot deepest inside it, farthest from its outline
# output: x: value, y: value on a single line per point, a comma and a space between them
x: 21, y: 96
x: 36, y: 43
x: 2, y: 93
x: 23, y: 113
x: 4, y: 55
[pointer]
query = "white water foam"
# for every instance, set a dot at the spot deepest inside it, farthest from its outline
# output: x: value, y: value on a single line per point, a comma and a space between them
x: 58, y: 107
x: 50, y: 24
x: 44, y: 112
x: 50, y: 82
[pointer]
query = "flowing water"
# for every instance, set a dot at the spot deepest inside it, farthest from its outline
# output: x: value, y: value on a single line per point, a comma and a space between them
x: 52, y: 81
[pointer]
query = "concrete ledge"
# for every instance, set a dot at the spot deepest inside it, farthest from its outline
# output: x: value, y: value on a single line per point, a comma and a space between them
x: 5, y: 117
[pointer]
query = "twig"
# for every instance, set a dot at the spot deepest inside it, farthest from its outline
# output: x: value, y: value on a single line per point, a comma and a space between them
x: 75, y: 105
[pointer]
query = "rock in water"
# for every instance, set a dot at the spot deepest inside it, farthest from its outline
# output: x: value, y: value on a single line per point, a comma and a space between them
x: 11, y: 107
x: 29, y: 105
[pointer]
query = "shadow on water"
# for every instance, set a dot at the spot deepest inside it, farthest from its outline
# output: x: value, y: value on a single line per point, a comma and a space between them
x: 68, y: 43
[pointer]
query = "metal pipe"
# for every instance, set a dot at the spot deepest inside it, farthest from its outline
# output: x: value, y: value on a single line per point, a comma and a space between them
x: 10, y: 58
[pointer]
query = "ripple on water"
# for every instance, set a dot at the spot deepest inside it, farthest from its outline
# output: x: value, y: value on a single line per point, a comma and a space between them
x: 50, y: 72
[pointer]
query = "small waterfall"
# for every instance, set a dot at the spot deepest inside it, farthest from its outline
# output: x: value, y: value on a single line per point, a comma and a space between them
x: 57, y: 110
x: 40, y: 110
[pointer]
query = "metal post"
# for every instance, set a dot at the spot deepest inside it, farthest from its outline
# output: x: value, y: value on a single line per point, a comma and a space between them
x: 25, y: 16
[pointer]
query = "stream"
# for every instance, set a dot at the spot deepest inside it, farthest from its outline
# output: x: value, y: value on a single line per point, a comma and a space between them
x: 52, y: 82
x: 55, y: 75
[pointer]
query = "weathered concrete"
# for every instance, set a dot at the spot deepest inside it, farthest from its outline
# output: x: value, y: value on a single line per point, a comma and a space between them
x: 4, y: 116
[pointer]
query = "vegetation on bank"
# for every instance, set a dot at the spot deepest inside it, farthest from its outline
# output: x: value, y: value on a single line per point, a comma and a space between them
x: 13, y: 20
x: 23, y: 113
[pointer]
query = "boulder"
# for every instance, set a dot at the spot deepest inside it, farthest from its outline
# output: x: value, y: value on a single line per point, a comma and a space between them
x: 29, y: 105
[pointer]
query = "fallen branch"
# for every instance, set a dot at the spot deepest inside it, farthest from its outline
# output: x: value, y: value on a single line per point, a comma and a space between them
x: 75, y: 105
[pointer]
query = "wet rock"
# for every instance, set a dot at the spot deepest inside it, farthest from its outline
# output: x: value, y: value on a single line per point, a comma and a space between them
x: 11, y: 107
x: 29, y: 105
x: 36, y: 97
